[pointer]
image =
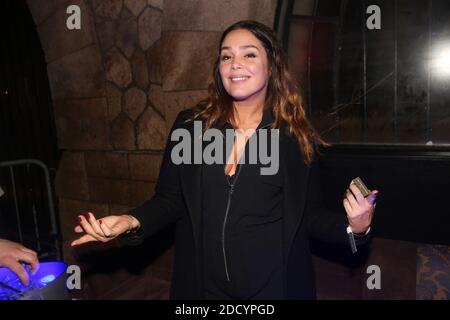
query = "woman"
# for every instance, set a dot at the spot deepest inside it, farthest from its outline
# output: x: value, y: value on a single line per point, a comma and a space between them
x: 241, y: 234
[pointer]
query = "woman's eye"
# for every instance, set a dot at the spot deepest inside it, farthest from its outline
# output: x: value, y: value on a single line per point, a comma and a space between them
x: 225, y: 58
x: 250, y: 55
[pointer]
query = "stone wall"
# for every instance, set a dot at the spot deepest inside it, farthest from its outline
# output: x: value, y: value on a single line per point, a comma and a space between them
x: 117, y: 85
x: 106, y: 89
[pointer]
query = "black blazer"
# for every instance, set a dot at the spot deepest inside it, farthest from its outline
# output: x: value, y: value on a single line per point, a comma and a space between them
x: 177, y: 199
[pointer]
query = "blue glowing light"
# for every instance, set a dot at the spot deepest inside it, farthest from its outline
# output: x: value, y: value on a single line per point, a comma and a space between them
x: 11, y: 288
x: 47, y: 279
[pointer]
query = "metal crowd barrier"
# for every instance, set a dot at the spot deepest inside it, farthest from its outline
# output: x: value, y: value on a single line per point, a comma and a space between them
x: 26, y: 195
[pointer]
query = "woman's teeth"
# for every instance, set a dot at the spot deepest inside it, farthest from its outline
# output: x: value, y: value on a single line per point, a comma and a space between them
x: 239, y: 78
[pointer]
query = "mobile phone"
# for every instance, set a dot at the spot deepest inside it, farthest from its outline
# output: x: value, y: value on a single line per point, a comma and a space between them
x: 361, y: 186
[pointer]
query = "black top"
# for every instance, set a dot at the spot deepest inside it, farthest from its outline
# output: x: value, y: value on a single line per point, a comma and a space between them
x: 242, y: 231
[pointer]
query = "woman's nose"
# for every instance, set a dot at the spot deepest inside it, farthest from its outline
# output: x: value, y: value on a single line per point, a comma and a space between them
x: 236, y: 64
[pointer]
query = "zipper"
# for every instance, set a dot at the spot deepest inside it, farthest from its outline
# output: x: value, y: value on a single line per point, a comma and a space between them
x: 230, y: 193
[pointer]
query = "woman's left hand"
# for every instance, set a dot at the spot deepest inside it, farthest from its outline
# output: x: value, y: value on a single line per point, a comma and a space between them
x: 359, y: 209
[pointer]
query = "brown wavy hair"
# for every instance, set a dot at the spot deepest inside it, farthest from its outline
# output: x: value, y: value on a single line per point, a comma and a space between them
x: 283, y: 96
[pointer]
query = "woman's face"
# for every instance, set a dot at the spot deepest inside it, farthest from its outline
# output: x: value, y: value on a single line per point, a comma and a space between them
x: 244, y: 67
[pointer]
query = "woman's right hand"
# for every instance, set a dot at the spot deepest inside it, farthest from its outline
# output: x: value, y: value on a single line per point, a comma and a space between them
x: 104, y: 229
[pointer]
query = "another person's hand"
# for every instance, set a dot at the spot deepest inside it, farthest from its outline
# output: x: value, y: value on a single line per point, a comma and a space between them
x: 359, y: 209
x: 104, y: 229
x: 11, y: 256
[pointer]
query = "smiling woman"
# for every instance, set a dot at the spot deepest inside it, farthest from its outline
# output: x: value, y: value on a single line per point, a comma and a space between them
x: 241, y: 234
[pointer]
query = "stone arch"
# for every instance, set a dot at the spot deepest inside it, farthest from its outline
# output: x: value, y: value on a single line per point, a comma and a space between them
x: 115, y: 95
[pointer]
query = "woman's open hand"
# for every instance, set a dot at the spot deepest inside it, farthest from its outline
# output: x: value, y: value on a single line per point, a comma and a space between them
x: 359, y: 209
x: 104, y: 229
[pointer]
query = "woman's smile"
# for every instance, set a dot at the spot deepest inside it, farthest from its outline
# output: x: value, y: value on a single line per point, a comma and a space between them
x: 239, y: 79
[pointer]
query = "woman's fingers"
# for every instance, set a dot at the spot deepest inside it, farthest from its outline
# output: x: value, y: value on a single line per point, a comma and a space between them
x: 89, y: 229
x: 351, y: 199
x: 86, y: 225
x: 105, y: 228
x: 95, y: 225
x: 84, y: 239
x: 347, y: 206
x: 357, y: 193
